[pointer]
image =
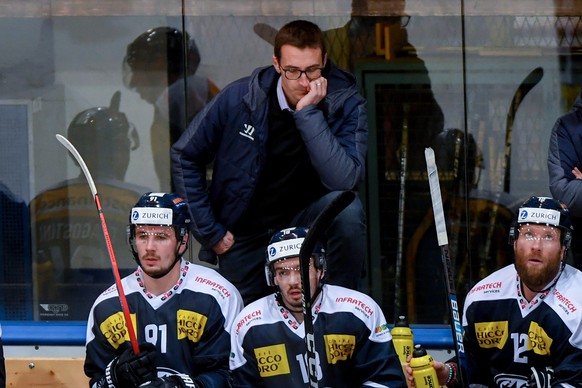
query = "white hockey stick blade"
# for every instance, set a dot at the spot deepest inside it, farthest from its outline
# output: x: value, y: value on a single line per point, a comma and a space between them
x: 68, y: 145
x: 435, y: 195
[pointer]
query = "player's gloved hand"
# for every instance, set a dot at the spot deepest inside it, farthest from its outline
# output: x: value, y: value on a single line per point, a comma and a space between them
x: 541, y: 378
x: 131, y: 370
x: 171, y: 381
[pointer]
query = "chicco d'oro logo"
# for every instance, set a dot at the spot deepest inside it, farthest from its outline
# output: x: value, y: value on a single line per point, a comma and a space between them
x: 492, y: 334
x: 339, y: 347
x: 272, y: 360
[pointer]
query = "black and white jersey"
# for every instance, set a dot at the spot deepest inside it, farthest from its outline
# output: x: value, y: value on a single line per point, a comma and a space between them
x: 505, y: 335
x: 352, y: 342
x: 189, y: 325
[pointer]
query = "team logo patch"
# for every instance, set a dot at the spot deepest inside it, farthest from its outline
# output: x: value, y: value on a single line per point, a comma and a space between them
x: 190, y: 325
x: 115, y: 330
x: 272, y: 360
x: 539, y: 341
x: 339, y: 347
x: 491, y: 334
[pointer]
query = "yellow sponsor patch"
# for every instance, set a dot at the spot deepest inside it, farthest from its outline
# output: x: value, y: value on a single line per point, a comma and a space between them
x: 491, y: 334
x: 115, y: 330
x: 339, y: 347
x: 272, y: 360
x: 190, y: 325
x: 539, y: 341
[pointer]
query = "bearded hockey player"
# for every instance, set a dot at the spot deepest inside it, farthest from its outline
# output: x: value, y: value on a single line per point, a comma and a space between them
x: 523, y: 322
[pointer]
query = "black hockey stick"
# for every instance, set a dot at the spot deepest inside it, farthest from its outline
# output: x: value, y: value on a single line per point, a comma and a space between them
x: 124, y: 307
x: 401, y: 207
x: 265, y: 32
x: 528, y: 83
x: 315, y: 232
x: 443, y: 241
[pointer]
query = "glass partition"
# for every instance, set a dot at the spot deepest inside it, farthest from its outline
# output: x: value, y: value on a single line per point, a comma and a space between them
x: 482, y: 83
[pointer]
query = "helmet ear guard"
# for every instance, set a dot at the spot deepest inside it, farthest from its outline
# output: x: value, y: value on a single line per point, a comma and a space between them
x: 269, y: 275
x: 567, y: 239
x: 513, y: 233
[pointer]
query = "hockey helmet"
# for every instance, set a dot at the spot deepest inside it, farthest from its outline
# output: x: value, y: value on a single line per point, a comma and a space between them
x: 544, y: 211
x: 99, y: 123
x: 103, y: 127
x: 164, y: 209
x: 287, y: 243
x: 451, y: 147
x: 167, y: 41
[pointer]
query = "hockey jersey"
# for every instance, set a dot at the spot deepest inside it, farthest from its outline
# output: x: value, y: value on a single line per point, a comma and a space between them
x: 352, y: 342
x: 505, y: 335
x: 188, y: 325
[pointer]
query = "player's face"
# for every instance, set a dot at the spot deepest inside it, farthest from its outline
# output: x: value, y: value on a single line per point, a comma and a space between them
x: 288, y: 278
x: 538, y: 255
x: 298, y: 59
x: 149, y: 80
x: 156, y: 247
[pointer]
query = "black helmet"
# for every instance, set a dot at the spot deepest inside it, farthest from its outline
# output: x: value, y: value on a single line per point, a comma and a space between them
x: 450, y: 157
x: 167, y: 209
x: 94, y: 125
x: 105, y: 137
x: 287, y: 243
x: 167, y: 41
x: 105, y: 129
x: 544, y: 211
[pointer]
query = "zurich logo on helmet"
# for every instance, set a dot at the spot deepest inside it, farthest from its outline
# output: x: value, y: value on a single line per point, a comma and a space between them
x: 272, y: 251
x: 523, y: 215
x: 135, y: 215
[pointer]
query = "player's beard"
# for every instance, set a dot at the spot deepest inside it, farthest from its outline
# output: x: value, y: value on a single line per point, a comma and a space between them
x: 536, y: 278
x: 159, y: 270
x: 293, y: 304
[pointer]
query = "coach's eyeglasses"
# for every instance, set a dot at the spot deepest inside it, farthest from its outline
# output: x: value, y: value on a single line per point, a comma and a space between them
x: 294, y: 74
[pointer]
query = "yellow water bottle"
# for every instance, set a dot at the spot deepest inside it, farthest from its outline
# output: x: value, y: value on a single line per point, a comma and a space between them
x: 402, y: 338
x: 422, y: 369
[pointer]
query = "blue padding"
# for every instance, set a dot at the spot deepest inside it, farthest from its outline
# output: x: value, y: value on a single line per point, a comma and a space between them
x: 73, y: 334
x: 70, y: 333
x: 433, y: 336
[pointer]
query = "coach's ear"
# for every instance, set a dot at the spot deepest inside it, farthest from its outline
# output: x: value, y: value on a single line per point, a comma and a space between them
x: 276, y: 64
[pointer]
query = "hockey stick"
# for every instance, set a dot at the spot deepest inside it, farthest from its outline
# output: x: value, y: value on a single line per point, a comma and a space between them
x: 265, y: 32
x: 124, y: 307
x: 528, y: 83
x: 401, y: 201
x: 441, y: 230
x: 316, y: 230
